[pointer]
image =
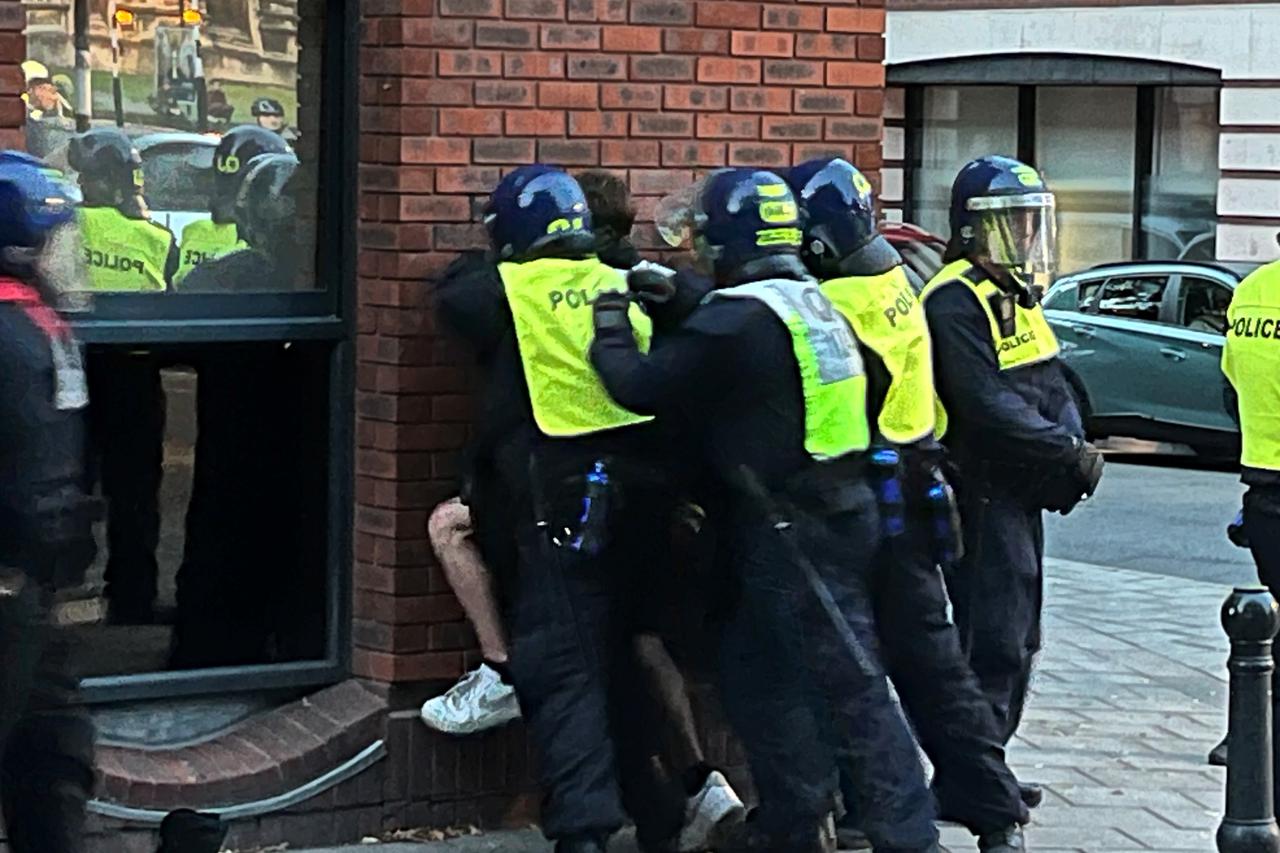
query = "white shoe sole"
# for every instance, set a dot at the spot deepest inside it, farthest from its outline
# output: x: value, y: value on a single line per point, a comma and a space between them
x: 433, y: 718
x: 718, y: 810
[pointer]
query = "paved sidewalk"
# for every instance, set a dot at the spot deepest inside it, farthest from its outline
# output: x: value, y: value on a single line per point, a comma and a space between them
x: 1129, y: 697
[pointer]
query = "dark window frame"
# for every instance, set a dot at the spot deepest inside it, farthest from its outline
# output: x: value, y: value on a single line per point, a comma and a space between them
x: 325, y: 314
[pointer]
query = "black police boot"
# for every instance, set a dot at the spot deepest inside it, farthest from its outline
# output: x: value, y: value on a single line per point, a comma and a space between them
x: 186, y: 831
x: 1032, y: 794
x: 1009, y: 840
x: 1218, y: 755
x: 583, y: 844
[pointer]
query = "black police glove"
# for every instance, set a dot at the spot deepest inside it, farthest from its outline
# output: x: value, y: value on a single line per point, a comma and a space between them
x: 1064, y: 492
x: 1089, y: 467
x: 652, y: 285
x: 610, y: 312
x: 1237, y: 532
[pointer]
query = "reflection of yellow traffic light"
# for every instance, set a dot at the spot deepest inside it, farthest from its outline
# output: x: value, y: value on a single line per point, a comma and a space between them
x: 192, y: 17
x: 124, y: 18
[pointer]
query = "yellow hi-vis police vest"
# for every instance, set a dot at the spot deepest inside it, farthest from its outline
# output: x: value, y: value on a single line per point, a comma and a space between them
x: 123, y: 255
x: 1032, y: 341
x: 831, y: 373
x: 887, y: 317
x: 550, y: 303
x: 204, y: 240
x: 1251, y: 360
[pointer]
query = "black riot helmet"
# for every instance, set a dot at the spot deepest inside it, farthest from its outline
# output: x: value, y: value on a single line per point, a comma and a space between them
x: 1003, y: 216
x: 231, y: 161
x: 109, y: 167
x: 840, y: 231
x: 266, y: 206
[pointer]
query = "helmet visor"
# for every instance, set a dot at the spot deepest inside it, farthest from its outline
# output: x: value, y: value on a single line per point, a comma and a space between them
x: 60, y: 264
x: 1018, y: 232
x: 676, y: 215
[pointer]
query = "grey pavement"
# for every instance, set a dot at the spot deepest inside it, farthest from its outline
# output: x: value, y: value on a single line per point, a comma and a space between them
x: 1165, y: 515
x: 1128, y: 698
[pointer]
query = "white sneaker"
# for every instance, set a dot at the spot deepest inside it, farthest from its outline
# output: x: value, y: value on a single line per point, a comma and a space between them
x: 716, y: 806
x: 479, y: 701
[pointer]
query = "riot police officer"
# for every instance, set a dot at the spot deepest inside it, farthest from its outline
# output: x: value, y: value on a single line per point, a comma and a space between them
x: 125, y: 253
x: 210, y: 238
x: 571, y: 462
x: 1008, y: 419
x: 1250, y: 361
x: 46, y: 541
x: 864, y: 278
x: 768, y: 376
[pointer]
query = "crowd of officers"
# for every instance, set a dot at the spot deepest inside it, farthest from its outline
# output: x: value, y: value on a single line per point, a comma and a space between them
x: 793, y: 386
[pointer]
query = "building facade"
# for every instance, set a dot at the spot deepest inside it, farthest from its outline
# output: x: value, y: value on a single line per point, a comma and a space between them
x: 311, y: 416
x: 1156, y: 123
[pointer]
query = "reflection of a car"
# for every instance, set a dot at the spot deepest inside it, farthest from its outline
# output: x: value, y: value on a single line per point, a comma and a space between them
x: 178, y: 171
x: 1144, y: 343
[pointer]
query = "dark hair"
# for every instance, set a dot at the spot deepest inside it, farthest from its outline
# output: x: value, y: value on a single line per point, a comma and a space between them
x: 609, y: 200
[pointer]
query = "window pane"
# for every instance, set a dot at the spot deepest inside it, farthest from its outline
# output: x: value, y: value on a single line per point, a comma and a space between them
x: 1134, y: 298
x: 1202, y: 305
x: 1179, y: 216
x: 1061, y: 298
x: 187, y: 222
x: 213, y: 463
x: 959, y: 124
x: 1085, y: 143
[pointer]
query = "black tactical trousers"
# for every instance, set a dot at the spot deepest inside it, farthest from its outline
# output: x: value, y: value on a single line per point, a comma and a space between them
x: 996, y: 591
x: 946, y: 706
x: 589, y: 714
x: 127, y: 422
x: 791, y: 679
x: 46, y: 740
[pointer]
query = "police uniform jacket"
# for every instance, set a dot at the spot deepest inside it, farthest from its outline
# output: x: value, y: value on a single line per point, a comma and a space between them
x: 1005, y: 423
x: 44, y: 515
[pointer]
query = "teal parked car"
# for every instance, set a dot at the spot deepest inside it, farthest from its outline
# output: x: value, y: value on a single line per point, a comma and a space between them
x: 1143, y: 341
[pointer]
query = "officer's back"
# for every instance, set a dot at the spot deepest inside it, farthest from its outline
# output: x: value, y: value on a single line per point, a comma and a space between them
x: 124, y: 251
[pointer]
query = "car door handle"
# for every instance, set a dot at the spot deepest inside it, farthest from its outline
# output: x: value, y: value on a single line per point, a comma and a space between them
x: 1082, y: 331
x: 1174, y: 354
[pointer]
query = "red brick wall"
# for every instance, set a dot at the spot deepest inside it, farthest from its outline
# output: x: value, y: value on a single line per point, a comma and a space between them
x: 455, y: 91
x: 13, y: 50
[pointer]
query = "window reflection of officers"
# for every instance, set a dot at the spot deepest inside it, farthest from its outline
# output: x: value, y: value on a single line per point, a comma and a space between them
x: 125, y: 253
x: 217, y: 236
x: 237, y: 555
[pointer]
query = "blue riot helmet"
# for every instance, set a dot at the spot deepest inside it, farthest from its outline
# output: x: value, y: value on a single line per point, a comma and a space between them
x: 735, y: 220
x: 539, y: 212
x: 839, y: 215
x: 1003, y: 215
x: 39, y: 236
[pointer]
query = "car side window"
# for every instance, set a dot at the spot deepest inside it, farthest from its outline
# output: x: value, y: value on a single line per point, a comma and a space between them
x: 1061, y: 298
x: 1202, y: 305
x: 1130, y: 296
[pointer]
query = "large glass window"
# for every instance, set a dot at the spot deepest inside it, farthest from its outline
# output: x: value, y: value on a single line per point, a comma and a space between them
x: 206, y: 140
x: 960, y: 123
x: 1179, y: 219
x: 1134, y: 167
x: 210, y: 97
x: 1085, y: 145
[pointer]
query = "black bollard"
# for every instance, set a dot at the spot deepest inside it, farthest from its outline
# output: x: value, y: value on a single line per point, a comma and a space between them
x: 1251, y: 618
